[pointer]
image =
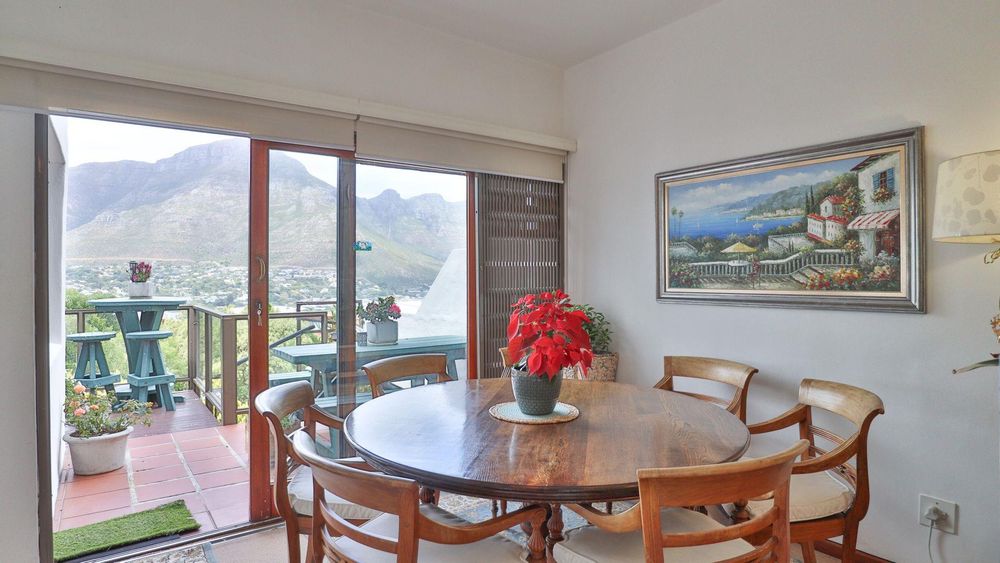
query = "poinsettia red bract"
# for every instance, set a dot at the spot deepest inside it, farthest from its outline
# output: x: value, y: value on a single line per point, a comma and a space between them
x: 545, y: 336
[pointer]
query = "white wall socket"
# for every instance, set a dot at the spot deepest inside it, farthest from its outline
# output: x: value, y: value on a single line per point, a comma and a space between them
x: 949, y: 524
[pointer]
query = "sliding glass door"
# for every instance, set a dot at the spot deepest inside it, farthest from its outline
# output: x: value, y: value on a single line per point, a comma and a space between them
x: 412, y: 252
x: 329, y: 237
x: 301, y: 285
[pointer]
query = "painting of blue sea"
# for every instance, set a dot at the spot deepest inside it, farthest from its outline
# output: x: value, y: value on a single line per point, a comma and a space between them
x: 827, y: 224
x: 740, y: 205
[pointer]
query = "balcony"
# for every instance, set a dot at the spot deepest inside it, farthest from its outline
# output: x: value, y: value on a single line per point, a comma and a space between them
x: 208, y: 352
x: 197, y: 453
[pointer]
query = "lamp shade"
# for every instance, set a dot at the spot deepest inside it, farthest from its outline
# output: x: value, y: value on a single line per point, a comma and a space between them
x: 967, y: 206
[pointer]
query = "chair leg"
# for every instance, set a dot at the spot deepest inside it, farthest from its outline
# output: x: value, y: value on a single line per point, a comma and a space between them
x: 850, y: 542
x: 503, y: 507
x: 292, y: 535
x: 809, y: 552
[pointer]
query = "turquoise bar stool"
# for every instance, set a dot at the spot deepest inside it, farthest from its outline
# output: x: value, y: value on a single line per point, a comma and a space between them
x: 92, y: 366
x: 149, y: 369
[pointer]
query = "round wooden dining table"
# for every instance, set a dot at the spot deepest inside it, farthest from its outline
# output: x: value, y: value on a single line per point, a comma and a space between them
x: 443, y: 437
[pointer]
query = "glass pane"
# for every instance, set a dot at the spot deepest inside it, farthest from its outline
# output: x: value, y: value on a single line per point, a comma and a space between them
x: 411, y: 232
x: 302, y: 273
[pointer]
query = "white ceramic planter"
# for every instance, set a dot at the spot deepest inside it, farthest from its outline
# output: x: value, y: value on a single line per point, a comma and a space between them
x: 140, y: 289
x: 99, y: 454
x: 383, y: 332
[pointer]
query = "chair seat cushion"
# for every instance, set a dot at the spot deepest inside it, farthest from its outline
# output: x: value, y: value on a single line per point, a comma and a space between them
x: 813, y: 496
x: 300, y: 495
x: 493, y: 549
x: 593, y: 545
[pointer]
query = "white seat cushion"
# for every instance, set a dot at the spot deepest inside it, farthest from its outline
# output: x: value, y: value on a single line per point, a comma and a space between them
x: 300, y: 494
x: 593, y: 545
x: 492, y: 549
x: 813, y: 496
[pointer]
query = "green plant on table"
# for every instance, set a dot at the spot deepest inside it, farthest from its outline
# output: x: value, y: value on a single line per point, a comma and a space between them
x: 95, y: 414
x: 599, y: 329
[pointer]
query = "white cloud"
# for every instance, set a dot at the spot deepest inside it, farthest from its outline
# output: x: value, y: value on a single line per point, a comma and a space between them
x: 705, y: 196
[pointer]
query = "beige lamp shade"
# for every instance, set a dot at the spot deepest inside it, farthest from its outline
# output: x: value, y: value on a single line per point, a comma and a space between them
x: 967, y: 207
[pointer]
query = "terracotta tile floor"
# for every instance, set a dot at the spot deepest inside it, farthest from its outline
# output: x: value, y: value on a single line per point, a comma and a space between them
x: 206, y: 467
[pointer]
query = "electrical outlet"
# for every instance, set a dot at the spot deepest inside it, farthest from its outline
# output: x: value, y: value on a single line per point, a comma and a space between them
x: 948, y: 524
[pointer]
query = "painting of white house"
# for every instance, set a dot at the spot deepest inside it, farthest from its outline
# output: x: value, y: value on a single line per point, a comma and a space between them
x: 825, y: 225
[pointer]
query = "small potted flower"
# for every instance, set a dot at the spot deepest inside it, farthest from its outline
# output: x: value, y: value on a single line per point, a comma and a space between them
x: 604, y: 364
x: 380, y: 316
x: 139, y: 273
x: 98, y: 429
x: 545, y: 335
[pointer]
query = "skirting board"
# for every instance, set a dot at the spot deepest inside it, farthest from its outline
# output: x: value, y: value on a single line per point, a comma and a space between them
x: 833, y: 549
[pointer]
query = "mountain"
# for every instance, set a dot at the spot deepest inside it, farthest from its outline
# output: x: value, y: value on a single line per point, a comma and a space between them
x: 194, y: 206
x: 788, y: 198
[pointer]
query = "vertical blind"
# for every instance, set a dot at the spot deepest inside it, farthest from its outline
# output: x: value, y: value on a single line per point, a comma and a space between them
x: 519, y: 234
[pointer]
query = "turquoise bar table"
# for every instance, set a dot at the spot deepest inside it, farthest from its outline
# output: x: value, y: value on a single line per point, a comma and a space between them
x: 139, y: 314
x: 323, y: 357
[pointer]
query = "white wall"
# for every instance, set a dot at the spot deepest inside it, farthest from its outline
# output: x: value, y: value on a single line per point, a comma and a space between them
x: 19, y: 489
x: 743, y: 78
x: 306, y: 45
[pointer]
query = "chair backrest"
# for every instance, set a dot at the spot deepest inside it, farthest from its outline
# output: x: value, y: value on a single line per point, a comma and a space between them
x: 731, y: 373
x: 857, y: 405
x: 385, y: 493
x: 275, y: 404
x: 386, y: 370
x: 508, y: 362
x: 717, y: 484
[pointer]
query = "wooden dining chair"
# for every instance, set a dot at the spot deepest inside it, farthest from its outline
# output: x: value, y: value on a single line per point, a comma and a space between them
x: 659, y: 528
x: 508, y: 362
x: 293, y: 488
x: 382, y: 372
x: 408, y: 530
x: 829, y: 496
x: 731, y: 373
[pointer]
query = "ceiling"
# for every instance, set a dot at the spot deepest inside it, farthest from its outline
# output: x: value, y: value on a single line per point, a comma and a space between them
x: 559, y: 32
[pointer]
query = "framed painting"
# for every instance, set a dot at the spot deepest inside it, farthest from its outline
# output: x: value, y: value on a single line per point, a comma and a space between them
x: 833, y: 226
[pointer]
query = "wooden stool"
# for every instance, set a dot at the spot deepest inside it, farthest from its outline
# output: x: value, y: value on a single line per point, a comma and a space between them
x: 149, y: 368
x: 92, y: 366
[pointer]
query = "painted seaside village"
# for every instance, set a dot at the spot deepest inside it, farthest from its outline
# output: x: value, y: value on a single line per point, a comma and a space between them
x: 829, y: 226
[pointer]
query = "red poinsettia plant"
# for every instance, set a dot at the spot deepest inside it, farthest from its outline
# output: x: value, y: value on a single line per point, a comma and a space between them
x: 546, y: 334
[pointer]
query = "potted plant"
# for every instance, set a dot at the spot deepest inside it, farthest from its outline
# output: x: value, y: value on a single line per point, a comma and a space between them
x: 98, y: 430
x: 604, y: 365
x: 545, y: 335
x: 380, y: 316
x: 139, y: 273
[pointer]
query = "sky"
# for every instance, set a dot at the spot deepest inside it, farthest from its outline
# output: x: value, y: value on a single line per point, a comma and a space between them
x: 699, y: 196
x: 92, y: 140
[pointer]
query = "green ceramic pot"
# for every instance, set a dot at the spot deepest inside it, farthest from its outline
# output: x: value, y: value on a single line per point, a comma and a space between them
x: 535, y: 395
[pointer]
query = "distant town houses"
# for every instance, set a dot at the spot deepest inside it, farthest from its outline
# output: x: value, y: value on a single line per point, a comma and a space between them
x: 777, y: 213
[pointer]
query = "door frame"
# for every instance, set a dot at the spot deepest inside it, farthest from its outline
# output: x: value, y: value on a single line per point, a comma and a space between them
x: 261, y: 497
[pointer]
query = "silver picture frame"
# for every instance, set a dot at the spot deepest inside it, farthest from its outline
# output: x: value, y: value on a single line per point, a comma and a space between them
x: 908, y: 297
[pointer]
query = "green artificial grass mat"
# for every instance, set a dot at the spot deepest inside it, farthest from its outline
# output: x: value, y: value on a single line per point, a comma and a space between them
x: 165, y: 520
